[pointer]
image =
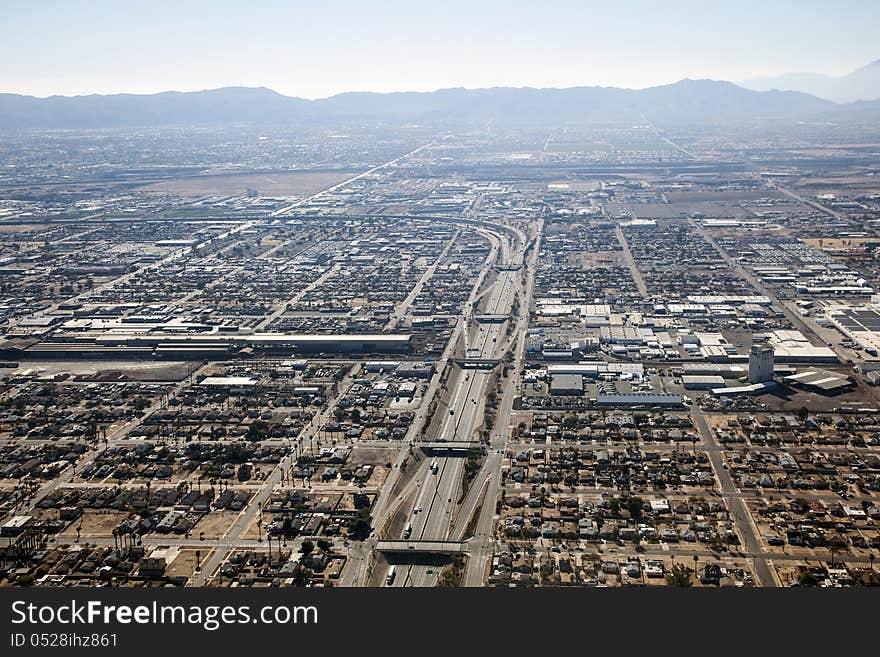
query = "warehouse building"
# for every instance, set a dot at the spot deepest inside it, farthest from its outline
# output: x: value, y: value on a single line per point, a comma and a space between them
x: 791, y: 346
x: 206, y: 345
x: 566, y: 384
x: 228, y: 382
x: 751, y: 389
x: 821, y: 381
x: 599, y: 369
x: 861, y: 324
x: 702, y: 381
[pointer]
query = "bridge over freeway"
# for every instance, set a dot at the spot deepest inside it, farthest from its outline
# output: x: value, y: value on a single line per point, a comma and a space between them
x: 477, y: 363
x: 491, y: 318
x: 448, y: 445
x: 392, y: 546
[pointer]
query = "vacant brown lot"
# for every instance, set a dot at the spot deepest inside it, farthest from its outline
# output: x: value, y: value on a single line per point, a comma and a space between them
x: 20, y: 228
x: 94, y: 524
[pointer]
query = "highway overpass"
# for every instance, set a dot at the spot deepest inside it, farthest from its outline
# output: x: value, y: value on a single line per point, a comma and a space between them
x: 448, y: 445
x: 390, y: 546
x: 477, y: 363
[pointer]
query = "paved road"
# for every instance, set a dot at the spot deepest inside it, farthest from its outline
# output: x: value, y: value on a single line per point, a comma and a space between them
x: 115, y: 437
x: 401, y: 311
x: 289, y: 208
x: 244, y: 520
x: 281, y: 307
x: 764, y: 575
x: 631, y: 263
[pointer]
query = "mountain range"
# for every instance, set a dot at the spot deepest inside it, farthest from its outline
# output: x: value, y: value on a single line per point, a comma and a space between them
x: 861, y: 84
x: 691, y: 101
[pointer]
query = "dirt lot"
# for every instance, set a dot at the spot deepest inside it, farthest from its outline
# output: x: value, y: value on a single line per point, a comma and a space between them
x: 829, y: 243
x: 185, y: 563
x: 215, y: 524
x: 578, y: 147
x: 20, y: 228
x: 370, y: 456
x: 572, y: 185
x: 132, y: 370
x: 597, y: 259
x: 274, y: 184
x: 675, y: 210
x: 98, y: 524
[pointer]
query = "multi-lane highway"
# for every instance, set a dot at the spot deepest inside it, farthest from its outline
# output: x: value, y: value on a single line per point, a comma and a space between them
x: 441, y: 489
x: 433, y: 514
x: 435, y: 492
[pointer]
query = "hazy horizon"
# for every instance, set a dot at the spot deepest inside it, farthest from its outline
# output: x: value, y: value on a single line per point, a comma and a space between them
x: 355, y: 91
x: 140, y: 48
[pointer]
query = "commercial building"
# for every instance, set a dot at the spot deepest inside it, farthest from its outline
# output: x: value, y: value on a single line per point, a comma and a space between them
x: 821, y: 381
x: 702, y: 382
x: 599, y: 369
x: 566, y: 384
x: 751, y: 389
x: 228, y: 382
x: 790, y: 346
x: 861, y: 324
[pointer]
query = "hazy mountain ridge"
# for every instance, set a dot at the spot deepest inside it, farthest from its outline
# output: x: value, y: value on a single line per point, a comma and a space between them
x: 863, y: 84
x: 683, y: 101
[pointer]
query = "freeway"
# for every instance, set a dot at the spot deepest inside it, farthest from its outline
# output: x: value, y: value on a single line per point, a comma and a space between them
x: 434, y: 515
x: 489, y: 477
x: 387, y: 504
x: 460, y: 424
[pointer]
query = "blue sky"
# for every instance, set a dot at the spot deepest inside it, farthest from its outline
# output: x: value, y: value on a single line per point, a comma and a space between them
x: 315, y: 49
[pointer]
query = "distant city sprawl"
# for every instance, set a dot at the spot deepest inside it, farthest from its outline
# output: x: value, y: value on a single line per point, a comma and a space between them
x: 441, y: 352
